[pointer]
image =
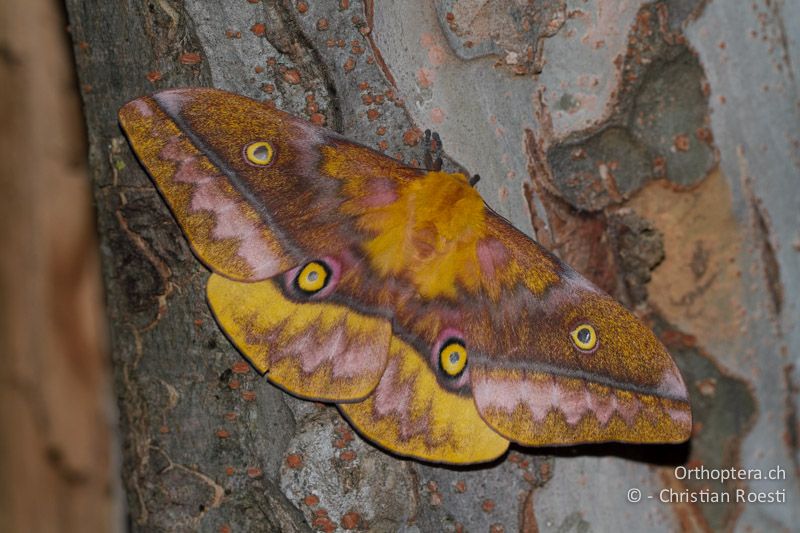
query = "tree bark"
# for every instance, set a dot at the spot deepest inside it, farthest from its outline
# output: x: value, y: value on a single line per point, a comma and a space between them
x: 653, y: 146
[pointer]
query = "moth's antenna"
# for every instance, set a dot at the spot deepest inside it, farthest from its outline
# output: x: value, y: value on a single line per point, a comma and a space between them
x: 433, y: 145
x: 426, y: 143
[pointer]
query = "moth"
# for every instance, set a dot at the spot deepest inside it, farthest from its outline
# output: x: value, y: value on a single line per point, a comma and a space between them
x: 440, y: 331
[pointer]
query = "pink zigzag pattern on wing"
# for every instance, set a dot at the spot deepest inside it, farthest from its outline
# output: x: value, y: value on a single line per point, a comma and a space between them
x: 348, y: 357
x: 543, y: 396
x: 208, y: 195
x: 393, y: 398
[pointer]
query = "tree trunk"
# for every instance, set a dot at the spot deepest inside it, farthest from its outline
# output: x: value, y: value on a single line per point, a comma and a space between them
x: 653, y: 146
x: 57, y: 469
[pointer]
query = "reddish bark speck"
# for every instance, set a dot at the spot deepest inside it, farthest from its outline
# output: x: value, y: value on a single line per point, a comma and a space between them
x: 259, y: 29
x: 324, y: 524
x: 412, y: 137
x: 240, y: 367
x: 350, y: 520
x: 681, y: 142
x: 705, y: 135
x: 292, y: 76
x: 190, y: 58
x: 294, y: 460
x: 436, y: 499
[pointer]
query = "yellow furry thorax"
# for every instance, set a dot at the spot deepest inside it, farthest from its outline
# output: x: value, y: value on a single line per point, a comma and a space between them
x: 429, y: 233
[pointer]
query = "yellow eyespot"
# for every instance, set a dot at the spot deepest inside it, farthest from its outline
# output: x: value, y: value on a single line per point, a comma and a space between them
x: 453, y: 357
x: 313, y: 277
x: 259, y: 153
x: 584, y: 337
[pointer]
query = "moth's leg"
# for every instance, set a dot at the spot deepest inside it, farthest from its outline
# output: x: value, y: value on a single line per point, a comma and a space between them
x: 432, y: 145
x: 434, y: 150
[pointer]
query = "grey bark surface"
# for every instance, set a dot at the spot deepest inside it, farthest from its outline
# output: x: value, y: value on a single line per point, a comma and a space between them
x: 653, y: 146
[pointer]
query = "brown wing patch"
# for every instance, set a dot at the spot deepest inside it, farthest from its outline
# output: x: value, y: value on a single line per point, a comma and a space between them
x: 224, y: 230
x: 509, y: 258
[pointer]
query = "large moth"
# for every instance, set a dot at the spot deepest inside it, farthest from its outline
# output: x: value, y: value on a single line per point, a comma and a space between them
x: 440, y: 331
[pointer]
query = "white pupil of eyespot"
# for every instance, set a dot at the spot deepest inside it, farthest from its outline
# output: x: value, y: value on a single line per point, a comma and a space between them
x: 312, y: 276
x: 260, y: 153
x: 583, y: 335
x: 454, y: 357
